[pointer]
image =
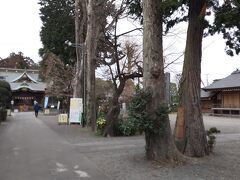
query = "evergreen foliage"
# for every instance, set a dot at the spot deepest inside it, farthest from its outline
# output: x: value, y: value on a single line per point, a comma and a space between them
x: 58, y: 27
x: 227, y: 22
x: 126, y: 127
x: 138, y: 113
x: 138, y: 109
x: 135, y: 9
x: 5, y: 94
x: 5, y: 84
x: 174, y: 11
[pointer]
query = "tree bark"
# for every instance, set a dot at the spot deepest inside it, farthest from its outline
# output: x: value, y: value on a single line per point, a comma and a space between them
x: 160, y: 145
x: 190, y: 135
x: 91, y: 42
x: 80, y: 29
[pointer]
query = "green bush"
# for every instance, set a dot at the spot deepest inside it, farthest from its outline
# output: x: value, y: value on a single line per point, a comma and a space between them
x: 3, y: 114
x: 5, y: 94
x: 138, y: 111
x: 127, y: 127
x: 5, y: 84
x: 101, y: 123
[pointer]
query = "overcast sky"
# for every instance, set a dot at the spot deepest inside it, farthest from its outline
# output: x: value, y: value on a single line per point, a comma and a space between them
x: 20, y: 28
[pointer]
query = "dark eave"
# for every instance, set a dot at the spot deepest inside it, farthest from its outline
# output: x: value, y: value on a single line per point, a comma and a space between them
x: 223, y: 89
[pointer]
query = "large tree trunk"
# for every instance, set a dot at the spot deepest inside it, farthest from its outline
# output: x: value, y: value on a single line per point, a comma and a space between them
x: 113, y: 113
x: 190, y: 134
x: 80, y: 29
x: 159, y: 143
x: 91, y: 41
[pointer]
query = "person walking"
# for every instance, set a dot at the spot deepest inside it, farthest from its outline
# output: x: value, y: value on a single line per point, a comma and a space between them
x: 36, y: 108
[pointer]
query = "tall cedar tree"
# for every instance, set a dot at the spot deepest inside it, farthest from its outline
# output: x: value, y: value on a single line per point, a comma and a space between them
x: 58, y: 26
x: 97, y: 13
x: 159, y: 143
x: 80, y: 35
x: 91, y: 42
x: 59, y: 22
x: 189, y: 132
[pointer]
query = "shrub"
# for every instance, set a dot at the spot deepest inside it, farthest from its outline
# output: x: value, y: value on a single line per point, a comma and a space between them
x: 5, y: 94
x: 126, y: 127
x: 3, y: 114
x: 137, y: 109
x: 101, y: 123
x: 5, y: 84
x: 211, y: 137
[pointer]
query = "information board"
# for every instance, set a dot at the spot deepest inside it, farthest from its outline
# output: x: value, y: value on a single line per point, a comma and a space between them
x: 76, y: 109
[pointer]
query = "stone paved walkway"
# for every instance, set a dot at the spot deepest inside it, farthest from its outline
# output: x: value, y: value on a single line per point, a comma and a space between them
x: 30, y: 150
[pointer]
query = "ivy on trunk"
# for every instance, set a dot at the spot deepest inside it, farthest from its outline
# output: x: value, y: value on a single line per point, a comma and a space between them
x: 159, y: 143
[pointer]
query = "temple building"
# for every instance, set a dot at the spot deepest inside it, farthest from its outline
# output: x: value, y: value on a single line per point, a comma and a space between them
x: 222, y: 97
x: 26, y: 87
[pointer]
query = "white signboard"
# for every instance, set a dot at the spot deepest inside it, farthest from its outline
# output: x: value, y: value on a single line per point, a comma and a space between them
x: 76, y: 109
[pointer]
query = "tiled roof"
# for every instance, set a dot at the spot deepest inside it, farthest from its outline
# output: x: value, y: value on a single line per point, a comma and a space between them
x: 205, y: 94
x: 32, y: 86
x: 26, y: 74
x: 230, y: 82
x: 13, y: 75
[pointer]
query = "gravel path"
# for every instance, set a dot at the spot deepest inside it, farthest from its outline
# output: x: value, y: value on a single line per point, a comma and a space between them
x: 122, y: 158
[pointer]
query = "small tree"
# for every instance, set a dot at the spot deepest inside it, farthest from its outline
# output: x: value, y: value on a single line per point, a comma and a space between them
x: 104, y: 89
x: 126, y: 66
x: 18, y: 61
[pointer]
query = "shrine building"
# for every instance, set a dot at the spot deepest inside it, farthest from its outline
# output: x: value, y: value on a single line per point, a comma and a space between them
x: 222, y: 97
x: 26, y: 87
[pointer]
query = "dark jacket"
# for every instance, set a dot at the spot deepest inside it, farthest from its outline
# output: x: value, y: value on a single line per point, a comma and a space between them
x: 36, y: 107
